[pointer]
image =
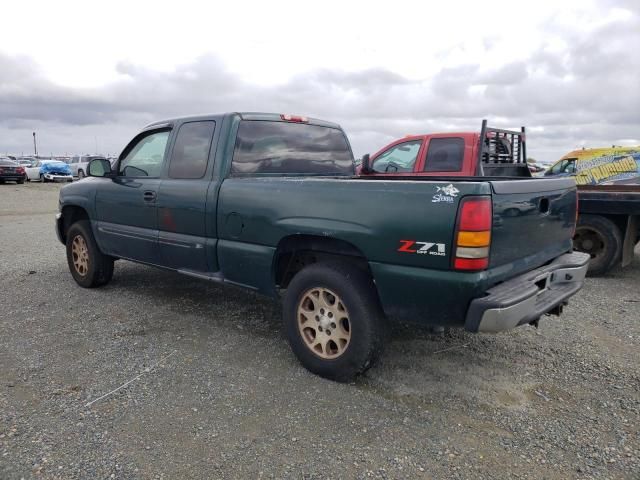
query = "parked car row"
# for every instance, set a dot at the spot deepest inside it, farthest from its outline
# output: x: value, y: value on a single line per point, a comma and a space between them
x: 40, y: 171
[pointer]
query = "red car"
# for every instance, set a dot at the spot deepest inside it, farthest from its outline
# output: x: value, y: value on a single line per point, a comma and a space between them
x: 11, y: 171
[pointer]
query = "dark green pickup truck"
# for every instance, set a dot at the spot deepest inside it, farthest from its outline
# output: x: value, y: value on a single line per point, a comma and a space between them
x: 270, y: 202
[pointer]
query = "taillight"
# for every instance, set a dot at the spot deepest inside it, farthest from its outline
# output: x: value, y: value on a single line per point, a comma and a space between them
x: 473, y: 234
x: 294, y: 118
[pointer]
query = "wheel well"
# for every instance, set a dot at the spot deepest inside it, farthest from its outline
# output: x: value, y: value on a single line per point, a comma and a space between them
x: 297, y: 251
x: 71, y: 214
x: 619, y: 220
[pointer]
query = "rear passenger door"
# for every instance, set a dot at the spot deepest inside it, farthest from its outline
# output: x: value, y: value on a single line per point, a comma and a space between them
x: 185, y: 237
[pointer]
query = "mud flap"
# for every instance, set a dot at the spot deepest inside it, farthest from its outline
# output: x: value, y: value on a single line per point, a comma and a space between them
x: 630, y: 238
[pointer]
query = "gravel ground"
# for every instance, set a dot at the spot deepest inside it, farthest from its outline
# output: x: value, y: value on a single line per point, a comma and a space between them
x: 216, y: 392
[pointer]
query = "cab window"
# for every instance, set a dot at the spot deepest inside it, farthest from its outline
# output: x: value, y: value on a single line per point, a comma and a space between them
x: 445, y: 155
x: 145, y: 158
x: 399, y: 158
x: 191, y: 150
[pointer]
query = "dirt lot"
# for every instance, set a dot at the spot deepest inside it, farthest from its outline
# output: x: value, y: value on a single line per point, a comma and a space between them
x: 221, y: 396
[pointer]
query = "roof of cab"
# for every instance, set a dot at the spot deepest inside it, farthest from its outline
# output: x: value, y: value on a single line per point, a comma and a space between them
x: 274, y: 117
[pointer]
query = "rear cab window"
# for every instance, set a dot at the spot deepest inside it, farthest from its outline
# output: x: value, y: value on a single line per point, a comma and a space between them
x: 271, y: 147
x: 444, y: 154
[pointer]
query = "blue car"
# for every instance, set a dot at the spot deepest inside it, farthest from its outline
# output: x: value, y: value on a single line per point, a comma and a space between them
x: 49, y: 171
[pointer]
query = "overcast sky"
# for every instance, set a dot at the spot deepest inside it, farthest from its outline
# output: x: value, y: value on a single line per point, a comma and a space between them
x: 87, y: 76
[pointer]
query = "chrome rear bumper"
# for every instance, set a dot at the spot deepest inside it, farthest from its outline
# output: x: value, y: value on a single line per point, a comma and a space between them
x: 524, y: 299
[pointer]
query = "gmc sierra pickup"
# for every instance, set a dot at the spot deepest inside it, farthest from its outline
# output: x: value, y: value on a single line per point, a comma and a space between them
x: 271, y: 203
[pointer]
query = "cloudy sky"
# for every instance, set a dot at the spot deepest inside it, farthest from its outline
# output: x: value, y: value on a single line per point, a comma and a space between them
x: 87, y: 75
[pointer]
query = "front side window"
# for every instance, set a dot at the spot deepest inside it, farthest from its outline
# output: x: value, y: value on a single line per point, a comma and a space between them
x: 290, y: 148
x: 444, y: 155
x: 145, y: 158
x: 569, y: 166
x: 399, y: 158
x: 191, y: 150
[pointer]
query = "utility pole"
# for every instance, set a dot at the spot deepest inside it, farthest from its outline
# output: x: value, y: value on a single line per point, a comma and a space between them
x: 35, y: 145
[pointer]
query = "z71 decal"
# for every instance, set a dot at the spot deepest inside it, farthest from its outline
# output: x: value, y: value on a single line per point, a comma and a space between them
x: 422, y: 248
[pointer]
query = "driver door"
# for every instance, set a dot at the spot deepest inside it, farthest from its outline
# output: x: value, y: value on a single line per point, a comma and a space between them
x: 127, y: 217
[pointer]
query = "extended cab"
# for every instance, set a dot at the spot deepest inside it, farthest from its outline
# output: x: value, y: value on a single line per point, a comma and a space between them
x: 271, y: 203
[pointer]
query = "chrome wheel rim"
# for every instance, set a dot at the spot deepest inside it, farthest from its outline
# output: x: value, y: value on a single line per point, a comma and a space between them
x: 323, y: 323
x: 80, y: 255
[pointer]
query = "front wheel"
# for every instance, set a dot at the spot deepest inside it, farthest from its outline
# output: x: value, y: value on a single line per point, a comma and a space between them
x: 42, y: 179
x: 89, y: 267
x: 333, y: 320
x: 20, y: 182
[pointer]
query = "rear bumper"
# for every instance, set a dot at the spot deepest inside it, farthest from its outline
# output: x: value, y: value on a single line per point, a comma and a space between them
x: 524, y: 299
x: 13, y: 176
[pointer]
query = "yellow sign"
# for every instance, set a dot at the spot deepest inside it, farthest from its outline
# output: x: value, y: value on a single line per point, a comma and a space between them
x: 592, y: 166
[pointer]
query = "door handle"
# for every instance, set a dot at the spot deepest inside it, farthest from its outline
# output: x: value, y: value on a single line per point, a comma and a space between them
x: 149, y: 196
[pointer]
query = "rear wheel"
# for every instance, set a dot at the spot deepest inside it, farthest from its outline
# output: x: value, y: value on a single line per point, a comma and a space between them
x: 89, y: 267
x: 333, y: 320
x: 601, y: 238
x: 20, y: 182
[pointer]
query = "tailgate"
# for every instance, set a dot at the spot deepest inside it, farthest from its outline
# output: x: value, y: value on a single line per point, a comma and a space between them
x: 533, y: 221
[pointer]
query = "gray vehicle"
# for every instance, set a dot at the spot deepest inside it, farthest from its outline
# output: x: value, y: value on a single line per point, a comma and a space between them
x: 78, y: 164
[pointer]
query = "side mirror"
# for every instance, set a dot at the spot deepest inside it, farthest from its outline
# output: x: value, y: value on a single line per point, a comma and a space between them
x: 99, y: 167
x: 366, y: 164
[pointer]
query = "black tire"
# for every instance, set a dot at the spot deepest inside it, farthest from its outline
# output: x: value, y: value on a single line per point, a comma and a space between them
x: 601, y: 238
x: 42, y: 179
x: 20, y: 182
x: 98, y: 270
x: 366, y: 324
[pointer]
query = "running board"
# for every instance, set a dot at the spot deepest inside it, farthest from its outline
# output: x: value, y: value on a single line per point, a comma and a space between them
x: 211, y: 276
x: 214, y: 277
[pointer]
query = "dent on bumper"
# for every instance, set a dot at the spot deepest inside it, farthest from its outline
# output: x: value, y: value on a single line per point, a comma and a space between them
x: 526, y: 298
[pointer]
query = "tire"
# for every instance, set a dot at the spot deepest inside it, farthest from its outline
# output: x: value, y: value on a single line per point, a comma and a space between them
x: 80, y: 174
x: 20, y: 182
x: 601, y: 238
x: 356, y: 343
x: 89, y: 267
x: 42, y: 179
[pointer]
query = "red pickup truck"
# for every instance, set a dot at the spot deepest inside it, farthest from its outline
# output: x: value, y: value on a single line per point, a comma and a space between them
x: 502, y: 153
